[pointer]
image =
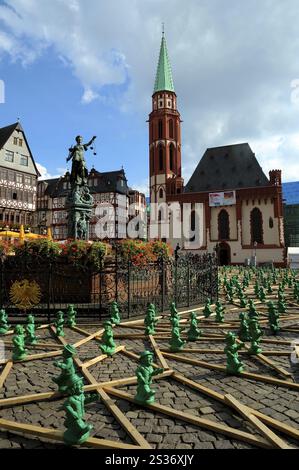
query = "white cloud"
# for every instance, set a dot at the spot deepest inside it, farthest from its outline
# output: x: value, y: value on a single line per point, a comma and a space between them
x: 45, y: 174
x: 89, y: 96
x: 232, y: 67
x: 142, y: 187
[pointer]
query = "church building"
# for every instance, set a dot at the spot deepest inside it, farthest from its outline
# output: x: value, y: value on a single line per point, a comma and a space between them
x: 242, y: 208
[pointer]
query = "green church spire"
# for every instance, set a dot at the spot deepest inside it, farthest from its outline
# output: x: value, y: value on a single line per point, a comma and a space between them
x: 163, y: 80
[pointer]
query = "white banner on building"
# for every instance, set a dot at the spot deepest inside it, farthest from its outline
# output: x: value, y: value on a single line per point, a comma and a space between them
x: 226, y: 198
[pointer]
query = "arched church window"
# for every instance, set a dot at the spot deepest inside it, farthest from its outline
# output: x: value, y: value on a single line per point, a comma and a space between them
x: 161, y: 158
x: 223, y: 225
x: 256, y: 222
x: 152, y: 161
x: 170, y: 129
x: 160, y: 129
x: 171, y: 157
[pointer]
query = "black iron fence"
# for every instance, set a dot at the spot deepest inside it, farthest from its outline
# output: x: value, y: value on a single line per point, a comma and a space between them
x: 188, y: 280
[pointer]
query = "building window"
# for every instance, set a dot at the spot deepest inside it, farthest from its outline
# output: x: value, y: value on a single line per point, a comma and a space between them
x: 161, y: 158
x: 223, y: 225
x: 19, y: 178
x: 3, y: 174
x: 24, y: 160
x: 161, y: 193
x: 14, y: 196
x: 15, y: 141
x: 171, y: 159
x: 256, y: 222
x: 21, y: 142
x: 271, y: 223
x: 9, y: 156
x: 170, y: 129
x: 160, y: 129
x: 11, y: 176
x: 28, y: 180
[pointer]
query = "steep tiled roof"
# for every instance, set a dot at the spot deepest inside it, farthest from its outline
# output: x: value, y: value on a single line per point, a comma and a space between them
x: 226, y: 168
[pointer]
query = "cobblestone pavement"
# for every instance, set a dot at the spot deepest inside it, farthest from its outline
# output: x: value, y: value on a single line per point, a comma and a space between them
x: 161, y: 431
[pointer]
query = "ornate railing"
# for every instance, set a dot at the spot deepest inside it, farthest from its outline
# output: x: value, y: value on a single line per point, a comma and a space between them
x: 188, y: 280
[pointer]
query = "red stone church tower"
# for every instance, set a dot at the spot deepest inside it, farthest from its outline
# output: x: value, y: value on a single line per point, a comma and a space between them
x: 164, y: 134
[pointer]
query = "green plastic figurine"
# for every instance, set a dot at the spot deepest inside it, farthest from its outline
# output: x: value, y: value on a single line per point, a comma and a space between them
x: 173, y: 310
x: 59, y: 323
x: 207, y: 311
x: 243, y: 300
x: 68, y: 375
x: 176, y: 343
x: 77, y: 430
x: 219, y: 312
x: 114, y: 313
x: 194, y: 332
x: 273, y: 316
x: 261, y: 294
x: 252, y: 313
x: 18, y: 341
x: 4, y: 326
x: 71, y: 316
x: 233, y: 365
x: 255, y: 336
x: 282, y: 308
x: 150, y: 320
x: 30, y: 331
x: 244, y: 328
x: 108, y: 344
x: 145, y: 372
x: 269, y: 288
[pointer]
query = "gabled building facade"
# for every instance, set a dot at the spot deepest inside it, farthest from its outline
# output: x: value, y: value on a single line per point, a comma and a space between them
x: 110, y: 190
x: 242, y: 208
x: 18, y: 177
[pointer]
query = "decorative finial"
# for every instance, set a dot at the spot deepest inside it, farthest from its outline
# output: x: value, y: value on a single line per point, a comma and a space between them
x: 18, y: 119
x: 163, y: 32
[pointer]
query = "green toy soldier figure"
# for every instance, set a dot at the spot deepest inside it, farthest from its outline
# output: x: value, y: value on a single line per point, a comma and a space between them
x: 243, y: 301
x: 252, y: 310
x: 194, y: 332
x: 219, y: 312
x: 145, y: 373
x: 114, y: 313
x: 207, y: 311
x: 233, y: 365
x: 244, y: 328
x: 108, y: 344
x: 255, y: 336
x: 59, y: 324
x: 71, y: 316
x: 173, y: 310
x: 269, y: 288
x: 150, y: 320
x: 281, y: 304
x: 77, y: 430
x: 273, y: 316
x: 68, y: 375
x: 176, y: 343
x: 261, y: 294
x: 30, y: 331
x: 4, y: 327
x: 18, y: 341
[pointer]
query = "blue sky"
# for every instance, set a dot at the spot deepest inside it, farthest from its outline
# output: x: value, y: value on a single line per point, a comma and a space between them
x: 88, y: 67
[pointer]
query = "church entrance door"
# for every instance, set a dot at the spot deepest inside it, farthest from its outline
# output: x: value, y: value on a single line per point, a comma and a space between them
x: 224, y: 254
